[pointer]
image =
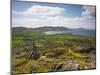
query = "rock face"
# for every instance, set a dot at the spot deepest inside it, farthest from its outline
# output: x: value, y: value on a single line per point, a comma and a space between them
x: 58, y: 67
x: 68, y: 65
x: 34, y: 55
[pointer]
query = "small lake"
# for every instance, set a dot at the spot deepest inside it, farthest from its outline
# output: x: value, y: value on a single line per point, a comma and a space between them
x: 55, y: 32
x: 82, y: 33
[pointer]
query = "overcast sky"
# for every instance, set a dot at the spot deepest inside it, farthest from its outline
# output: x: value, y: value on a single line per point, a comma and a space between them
x: 33, y: 15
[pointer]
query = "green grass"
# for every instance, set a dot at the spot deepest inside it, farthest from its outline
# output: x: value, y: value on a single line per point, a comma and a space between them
x: 56, y: 48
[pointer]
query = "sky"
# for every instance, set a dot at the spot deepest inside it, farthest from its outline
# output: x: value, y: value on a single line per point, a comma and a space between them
x: 39, y: 14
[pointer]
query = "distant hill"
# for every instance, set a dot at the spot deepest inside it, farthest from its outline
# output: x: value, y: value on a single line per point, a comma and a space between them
x: 84, y: 32
x: 22, y: 31
x: 44, y: 29
x: 25, y: 32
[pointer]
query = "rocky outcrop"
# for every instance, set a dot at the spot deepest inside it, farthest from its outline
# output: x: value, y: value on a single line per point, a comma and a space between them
x: 68, y: 65
x: 34, y: 55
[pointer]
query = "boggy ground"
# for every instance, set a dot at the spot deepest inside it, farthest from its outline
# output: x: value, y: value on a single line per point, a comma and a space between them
x: 59, y: 52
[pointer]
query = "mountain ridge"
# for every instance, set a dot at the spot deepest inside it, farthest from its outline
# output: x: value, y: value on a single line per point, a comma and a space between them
x: 77, y: 31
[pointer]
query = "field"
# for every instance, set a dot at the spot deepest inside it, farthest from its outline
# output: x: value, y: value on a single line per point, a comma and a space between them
x: 35, y: 52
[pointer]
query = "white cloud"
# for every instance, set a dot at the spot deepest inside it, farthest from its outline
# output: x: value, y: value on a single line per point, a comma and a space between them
x: 55, y: 21
x: 41, y: 11
x: 44, y: 16
x: 89, y: 11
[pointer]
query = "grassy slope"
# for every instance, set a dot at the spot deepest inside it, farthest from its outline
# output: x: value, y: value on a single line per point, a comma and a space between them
x: 56, y: 48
